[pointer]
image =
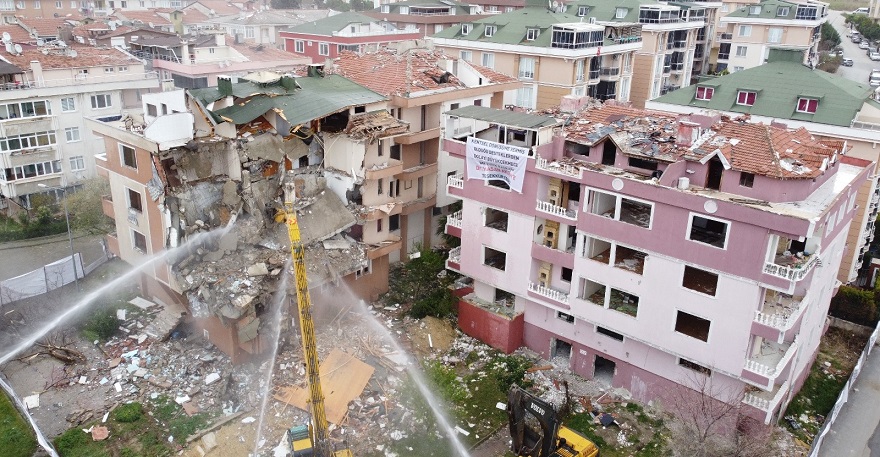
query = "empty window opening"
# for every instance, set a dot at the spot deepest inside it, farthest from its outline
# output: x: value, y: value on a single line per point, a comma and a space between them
x: 609, y: 333
x: 592, y: 292
x: 708, y: 231
x: 572, y: 148
x: 394, y: 222
x: 713, y: 176
x: 565, y: 317
x: 629, y: 259
x: 746, y: 179
x: 603, y: 204
x: 596, y: 249
x: 694, y: 366
x: 603, y: 369
x: 692, y: 326
x: 494, y: 259
x: 561, y: 349
x: 134, y: 201
x: 496, y: 219
x: 574, y: 191
x: 700, y: 280
x: 609, y: 153
x: 504, y: 298
x: 566, y: 274
x: 644, y: 164
x: 635, y: 212
x: 395, y: 152
x: 624, y: 302
x: 140, y: 241
x: 128, y: 156
x: 499, y: 184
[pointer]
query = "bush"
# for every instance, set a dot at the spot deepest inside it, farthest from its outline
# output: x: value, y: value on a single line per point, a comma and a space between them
x: 447, y: 382
x: 509, y: 370
x: 102, y: 324
x: 130, y: 412
x: 855, y: 305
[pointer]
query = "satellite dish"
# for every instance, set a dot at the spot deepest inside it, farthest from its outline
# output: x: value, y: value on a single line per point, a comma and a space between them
x: 555, y: 4
x: 73, y: 53
x: 17, y: 48
x: 40, y: 42
x: 6, y: 37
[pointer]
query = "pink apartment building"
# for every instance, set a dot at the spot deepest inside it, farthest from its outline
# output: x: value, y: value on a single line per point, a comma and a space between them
x: 653, y: 251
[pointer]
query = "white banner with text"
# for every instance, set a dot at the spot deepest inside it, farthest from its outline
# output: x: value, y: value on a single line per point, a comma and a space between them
x: 488, y: 160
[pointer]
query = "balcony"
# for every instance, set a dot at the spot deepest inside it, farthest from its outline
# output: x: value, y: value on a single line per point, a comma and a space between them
x: 771, y: 359
x: 678, y: 45
x: 81, y: 80
x: 384, y: 170
x: 767, y: 401
x: 564, y: 169
x: 780, y: 311
x: 549, y: 293
x: 609, y: 73
x: 593, y: 76
x: 418, y: 137
x: 453, y: 262
x: 723, y: 56
x: 725, y: 36
x: 677, y: 67
x: 791, y: 267
x: 107, y: 206
x: 558, y: 211
x: 454, y: 219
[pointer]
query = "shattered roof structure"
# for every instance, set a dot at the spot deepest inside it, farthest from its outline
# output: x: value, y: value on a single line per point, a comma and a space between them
x: 87, y: 57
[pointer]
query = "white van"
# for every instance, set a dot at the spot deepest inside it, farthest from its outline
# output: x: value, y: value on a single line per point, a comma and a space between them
x: 863, y: 10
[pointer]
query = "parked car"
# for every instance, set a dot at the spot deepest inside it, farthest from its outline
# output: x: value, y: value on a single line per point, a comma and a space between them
x: 864, y: 45
x: 863, y: 10
x: 875, y: 55
x: 847, y: 62
x: 874, y: 77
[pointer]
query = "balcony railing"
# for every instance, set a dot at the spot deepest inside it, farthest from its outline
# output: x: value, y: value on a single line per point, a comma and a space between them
x: 552, y: 294
x: 723, y: 55
x: 678, y: 44
x: 563, y: 169
x: 771, y: 371
x: 627, y: 39
x: 454, y: 219
x: 725, y: 36
x: 794, y: 272
x: 455, y: 255
x: 761, y: 402
x: 456, y: 181
x: 550, y: 208
x: 593, y: 74
x: 782, y: 314
x: 609, y: 71
x: 865, y: 125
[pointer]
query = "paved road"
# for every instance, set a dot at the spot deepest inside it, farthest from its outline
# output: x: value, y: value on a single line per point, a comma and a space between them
x: 20, y: 257
x: 862, y: 65
x: 856, y: 432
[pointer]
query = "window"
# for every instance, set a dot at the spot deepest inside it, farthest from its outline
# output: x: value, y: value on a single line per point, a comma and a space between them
x: 745, y: 30
x: 583, y: 11
x: 774, y: 35
x: 737, y: 68
x: 77, y: 163
x: 532, y: 34
x: 71, y: 134
x: 620, y: 13
x: 700, y: 280
x: 323, y: 49
x: 705, y: 93
x: 467, y: 56
x: 122, y: 69
x: 494, y: 259
x: 379, y: 184
x: 629, y: 259
x: 746, y: 179
x: 746, y: 98
x: 692, y: 326
x: 101, y: 101
x: 579, y: 70
x: 466, y: 29
x: 386, y: 8
x: 25, y: 109
x: 37, y: 4
x: 525, y: 96
x: 592, y: 292
x: 109, y: 69
x: 496, y: 219
x: 20, y: 4
x: 741, y: 51
x: 623, y: 302
x: 139, y: 241
x: 394, y: 223
x: 709, y: 231
x: 566, y: 274
x: 526, y: 67
x: 490, y: 30
x: 755, y: 10
x: 58, y: 4
x: 488, y: 60
x: 807, y: 105
x: 134, y: 201
x: 609, y: 333
x: 127, y: 155
x: 783, y: 11
x: 73, y: 4
x: 635, y: 212
x: 725, y: 8
x: 26, y: 141
x: 379, y: 225
x: 151, y: 110
x: 694, y: 366
x: 565, y: 317
x: 248, y: 32
x: 299, y: 46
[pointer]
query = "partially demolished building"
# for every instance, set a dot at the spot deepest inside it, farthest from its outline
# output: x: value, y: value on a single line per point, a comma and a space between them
x: 217, y: 161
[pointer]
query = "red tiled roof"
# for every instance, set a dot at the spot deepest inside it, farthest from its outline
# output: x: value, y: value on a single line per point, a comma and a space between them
x: 385, y: 71
x: 220, y: 7
x: 45, y: 27
x: 493, y: 76
x: 770, y: 151
x: 145, y: 17
x: 17, y: 33
x: 193, y: 16
x: 87, y: 56
x: 258, y: 53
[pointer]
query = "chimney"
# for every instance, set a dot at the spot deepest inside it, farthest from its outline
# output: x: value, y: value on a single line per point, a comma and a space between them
x: 224, y: 85
x: 316, y: 71
x: 687, y: 133
x: 37, y: 70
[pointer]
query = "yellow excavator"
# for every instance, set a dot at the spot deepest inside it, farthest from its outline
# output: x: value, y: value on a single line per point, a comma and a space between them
x: 314, y: 439
x: 536, y: 431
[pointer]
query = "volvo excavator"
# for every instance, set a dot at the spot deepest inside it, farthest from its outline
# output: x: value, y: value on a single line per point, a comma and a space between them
x: 537, y: 431
x: 311, y: 440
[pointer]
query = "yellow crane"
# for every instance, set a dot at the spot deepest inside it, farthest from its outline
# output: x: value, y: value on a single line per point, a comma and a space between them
x: 313, y: 440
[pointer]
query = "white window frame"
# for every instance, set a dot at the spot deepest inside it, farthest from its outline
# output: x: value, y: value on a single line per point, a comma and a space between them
x: 687, y: 234
x: 120, y: 146
x: 108, y: 100
x: 526, y: 91
x: 746, y: 92
x: 467, y: 56
x: 783, y: 11
x: 617, y: 203
x: 527, y: 71
x: 808, y: 100
x: 128, y: 200
x: 466, y: 28
x: 299, y: 46
x: 744, y: 31
x: 487, y: 59
x: 37, y: 4
x: 741, y: 51
x: 580, y: 66
x: 708, y: 92
x: 77, y: 163
x: 323, y: 49
x: 583, y: 11
x: 532, y: 34
x: 620, y: 13
x: 490, y: 30
x: 71, y: 135
x: 754, y: 10
x: 774, y: 34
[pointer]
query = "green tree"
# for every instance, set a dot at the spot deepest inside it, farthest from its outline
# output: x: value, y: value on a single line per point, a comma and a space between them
x: 830, y: 37
x: 423, y: 283
x: 855, y: 305
x: 338, y: 5
x: 285, y: 4
x: 86, y: 210
x: 449, y: 241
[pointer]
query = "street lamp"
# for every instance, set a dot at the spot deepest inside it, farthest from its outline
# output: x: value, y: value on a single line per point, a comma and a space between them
x: 69, y: 232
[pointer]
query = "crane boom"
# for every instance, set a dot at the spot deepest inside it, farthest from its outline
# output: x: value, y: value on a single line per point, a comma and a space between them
x: 320, y: 434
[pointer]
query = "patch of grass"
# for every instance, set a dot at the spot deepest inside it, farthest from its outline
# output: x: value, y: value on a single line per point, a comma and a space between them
x: 16, y: 438
x: 129, y: 412
x: 583, y: 424
x: 76, y: 443
x: 846, y: 5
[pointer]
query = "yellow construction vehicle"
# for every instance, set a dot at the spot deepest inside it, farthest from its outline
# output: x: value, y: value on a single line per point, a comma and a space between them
x: 312, y: 440
x: 536, y: 430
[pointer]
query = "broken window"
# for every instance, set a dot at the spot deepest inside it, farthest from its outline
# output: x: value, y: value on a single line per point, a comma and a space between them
x: 499, y: 184
x: 566, y: 274
x: 134, y: 201
x: 394, y: 223
x: 360, y: 109
x: 624, y: 302
x: 139, y: 241
x: 692, y: 326
x: 127, y: 155
x: 700, y: 280
x: 496, y: 219
x: 592, y: 292
x: 379, y: 185
x: 635, y: 212
x: 709, y: 231
x: 395, y: 151
x: 494, y: 259
x: 596, y: 249
x: 694, y: 366
x: 503, y: 297
x: 629, y: 259
x: 746, y: 179
x: 602, y: 204
x: 609, y: 333
x: 565, y: 317
x: 420, y: 187
x: 379, y: 225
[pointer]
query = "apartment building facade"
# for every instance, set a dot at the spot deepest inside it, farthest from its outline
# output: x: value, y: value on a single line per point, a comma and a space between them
x: 428, y: 16
x: 746, y: 34
x: 554, y: 51
x: 656, y: 263
x: 49, y: 92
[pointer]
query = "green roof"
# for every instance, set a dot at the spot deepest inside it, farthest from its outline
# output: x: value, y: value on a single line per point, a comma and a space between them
x: 781, y: 84
x: 503, y: 117
x: 310, y: 98
x: 769, y: 10
x: 329, y: 25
